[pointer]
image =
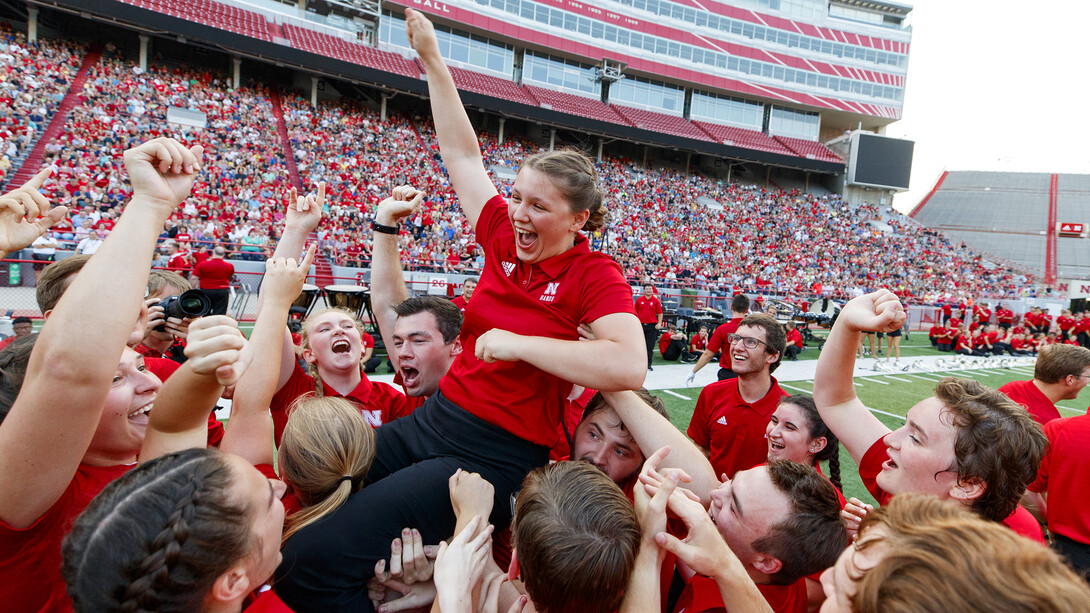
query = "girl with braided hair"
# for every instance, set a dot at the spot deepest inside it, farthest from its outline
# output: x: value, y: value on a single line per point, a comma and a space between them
x: 194, y: 530
x: 797, y: 433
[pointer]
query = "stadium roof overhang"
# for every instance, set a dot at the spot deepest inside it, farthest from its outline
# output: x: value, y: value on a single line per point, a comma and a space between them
x: 140, y: 19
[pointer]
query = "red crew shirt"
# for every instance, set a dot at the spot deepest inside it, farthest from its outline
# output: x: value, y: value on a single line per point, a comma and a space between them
x: 461, y: 303
x: 30, y: 558
x: 701, y: 595
x: 550, y: 299
x: 379, y: 402
x: 573, y: 414
x: 719, y: 343
x: 1064, y: 474
x: 214, y: 273
x: 732, y: 429
x: 648, y: 309
x: 1026, y: 394
x: 1020, y: 520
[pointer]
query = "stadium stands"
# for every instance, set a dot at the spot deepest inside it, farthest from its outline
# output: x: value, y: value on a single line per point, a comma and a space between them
x: 577, y: 105
x: 741, y: 137
x: 661, y: 122
x: 34, y: 80
x: 216, y: 14
x: 809, y: 149
x: 488, y: 85
x: 331, y: 46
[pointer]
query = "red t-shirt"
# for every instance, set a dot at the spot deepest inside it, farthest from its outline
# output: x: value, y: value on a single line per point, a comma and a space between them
x: 379, y: 402
x: 732, y: 429
x: 460, y: 302
x: 178, y: 262
x: 794, y: 337
x: 1020, y: 520
x: 215, y: 273
x: 664, y: 343
x: 549, y: 299
x: 1064, y: 474
x: 719, y: 343
x: 701, y: 595
x: 1026, y: 394
x: 1065, y: 323
x: 1004, y: 316
x: 30, y: 559
x: 698, y: 343
x: 648, y: 309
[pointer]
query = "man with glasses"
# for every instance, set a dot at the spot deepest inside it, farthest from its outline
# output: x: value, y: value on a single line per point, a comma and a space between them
x: 1060, y: 373
x: 730, y: 417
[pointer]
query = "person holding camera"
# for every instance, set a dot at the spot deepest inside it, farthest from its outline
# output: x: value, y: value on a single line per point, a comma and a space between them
x: 214, y: 275
x: 164, y: 336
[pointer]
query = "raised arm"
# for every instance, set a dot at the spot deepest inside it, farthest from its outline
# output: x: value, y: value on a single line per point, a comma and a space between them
x: 653, y: 431
x: 387, y: 284
x: 249, y: 432
x: 55, y: 416
x: 457, y: 139
x: 598, y: 362
x: 834, y: 389
x: 302, y: 217
x: 218, y: 355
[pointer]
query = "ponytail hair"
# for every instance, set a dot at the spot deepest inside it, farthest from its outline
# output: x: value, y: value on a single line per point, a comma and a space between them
x: 576, y: 178
x: 325, y: 454
x: 157, y: 538
x: 818, y: 429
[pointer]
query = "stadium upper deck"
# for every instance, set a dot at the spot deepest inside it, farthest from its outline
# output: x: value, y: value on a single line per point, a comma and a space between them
x: 1014, y: 216
x: 758, y: 80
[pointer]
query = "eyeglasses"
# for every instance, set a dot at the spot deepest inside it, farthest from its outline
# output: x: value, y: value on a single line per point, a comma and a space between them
x: 748, y: 341
x: 1082, y: 376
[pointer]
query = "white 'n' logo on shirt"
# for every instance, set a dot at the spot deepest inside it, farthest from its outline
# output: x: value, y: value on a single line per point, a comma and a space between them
x: 550, y: 292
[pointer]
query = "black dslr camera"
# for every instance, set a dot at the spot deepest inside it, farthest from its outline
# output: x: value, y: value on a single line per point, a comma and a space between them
x: 191, y: 303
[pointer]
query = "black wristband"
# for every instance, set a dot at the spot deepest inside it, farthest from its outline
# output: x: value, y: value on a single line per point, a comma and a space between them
x: 377, y: 227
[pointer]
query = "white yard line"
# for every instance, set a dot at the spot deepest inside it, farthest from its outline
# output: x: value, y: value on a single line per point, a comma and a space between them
x: 675, y: 394
x: 900, y: 417
x: 874, y: 380
x: 797, y: 389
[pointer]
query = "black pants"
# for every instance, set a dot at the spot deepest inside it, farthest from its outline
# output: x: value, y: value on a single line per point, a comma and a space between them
x: 1077, y: 554
x: 651, y: 337
x: 944, y: 346
x: 792, y: 352
x: 219, y: 298
x: 372, y: 365
x: 726, y: 373
x: 674, y: 351
x: 327, y: 564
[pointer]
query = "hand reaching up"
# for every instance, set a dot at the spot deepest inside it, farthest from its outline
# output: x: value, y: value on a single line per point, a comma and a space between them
x: 403, y: 202
x: 284, y: 279
x: 217, y: 347
x: 879, y: 311
x: 162, y: 171
x: 304, y: 212
x: 20, y: 210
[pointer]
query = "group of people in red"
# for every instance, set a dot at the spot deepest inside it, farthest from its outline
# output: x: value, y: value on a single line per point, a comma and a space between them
x: 116, y: 496
x: 971, y: 330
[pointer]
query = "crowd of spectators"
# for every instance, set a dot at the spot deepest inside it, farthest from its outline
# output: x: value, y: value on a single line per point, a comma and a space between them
x: 34, y: 78
x: 675, y: 228
x: 240, y: 194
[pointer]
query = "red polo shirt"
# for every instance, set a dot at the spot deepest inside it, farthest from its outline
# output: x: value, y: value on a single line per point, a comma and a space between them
x: 548, y: 299
x: 1020, y: 520
x: 719, y: 343
x: 1064, y: 474
x: 648, y: 309
x: 380, y: 403
x: 701, y: 595
x: 1026, y: 394
x: 732, y: 429
x: 214, y: 273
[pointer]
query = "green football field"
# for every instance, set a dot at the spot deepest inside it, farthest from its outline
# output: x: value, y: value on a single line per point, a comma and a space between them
x: 889, y: 396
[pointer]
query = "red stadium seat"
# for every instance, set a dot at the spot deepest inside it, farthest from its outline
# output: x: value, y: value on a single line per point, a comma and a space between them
x: 660, y: 122
x: 577, y: 105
